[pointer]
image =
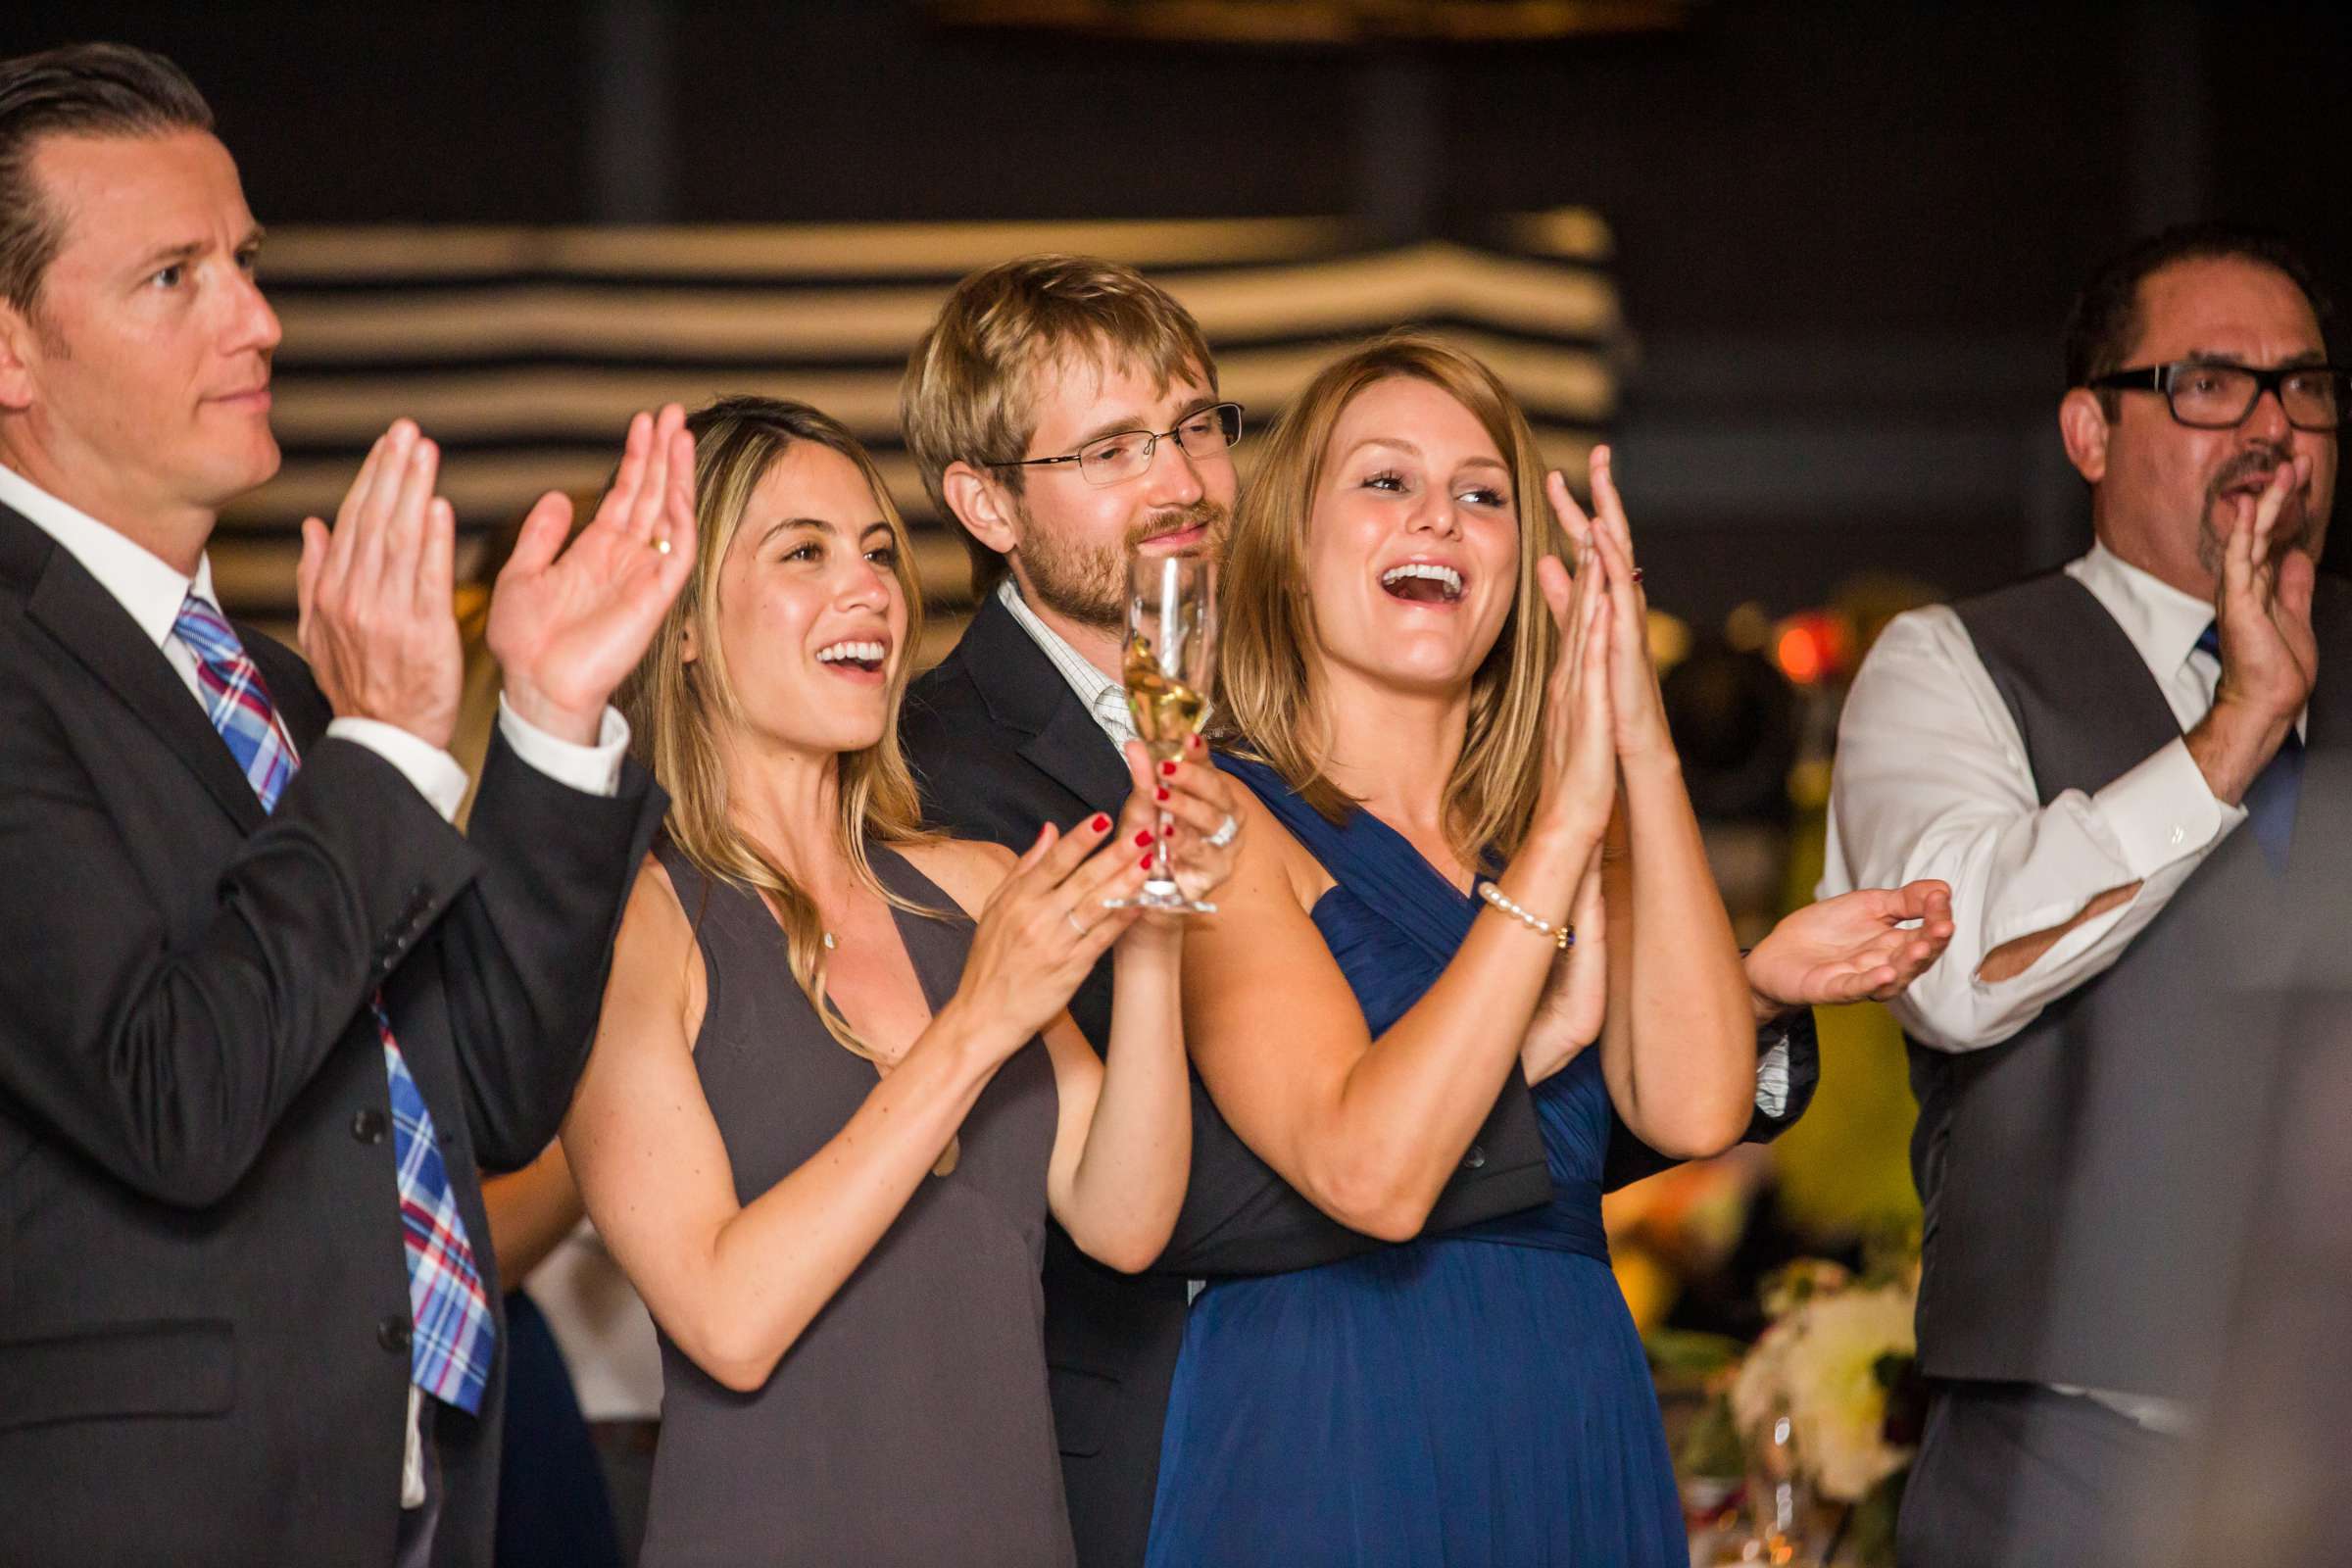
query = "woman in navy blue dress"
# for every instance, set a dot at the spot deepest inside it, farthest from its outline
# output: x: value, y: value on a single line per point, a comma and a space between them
x: 1455, y: 752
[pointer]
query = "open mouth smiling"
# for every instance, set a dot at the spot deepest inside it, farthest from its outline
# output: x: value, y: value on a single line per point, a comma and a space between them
x: 1422, y: 582
x: 848, y: 657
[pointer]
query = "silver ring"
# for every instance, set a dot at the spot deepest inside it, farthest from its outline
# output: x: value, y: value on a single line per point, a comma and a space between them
x: 1071, y: 916
x: 1224, y: 833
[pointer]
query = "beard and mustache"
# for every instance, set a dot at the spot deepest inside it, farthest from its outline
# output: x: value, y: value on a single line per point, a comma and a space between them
x: 2250, y: 472
x: 1087, y: 583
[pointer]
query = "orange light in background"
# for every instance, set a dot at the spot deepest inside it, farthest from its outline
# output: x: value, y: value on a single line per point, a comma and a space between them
x: 1811, y: 646
x: 1669, y: 640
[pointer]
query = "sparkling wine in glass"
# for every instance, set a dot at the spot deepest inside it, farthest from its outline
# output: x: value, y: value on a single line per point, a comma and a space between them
x: 1172, y: 652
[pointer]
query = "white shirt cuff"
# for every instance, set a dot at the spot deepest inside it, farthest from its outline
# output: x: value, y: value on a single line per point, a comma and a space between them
x: 1772, y: 1081
x: 590, y: 770
x: 435, y: 773
x: 2163, y: 811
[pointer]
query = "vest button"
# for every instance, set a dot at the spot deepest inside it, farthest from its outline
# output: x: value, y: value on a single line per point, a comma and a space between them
x: 1476, y: 1159
x: 368, y: 1126
x: 394, y: 1333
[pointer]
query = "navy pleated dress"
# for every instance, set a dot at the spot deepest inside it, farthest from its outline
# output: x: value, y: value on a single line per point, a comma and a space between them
x: 1477, y: 1400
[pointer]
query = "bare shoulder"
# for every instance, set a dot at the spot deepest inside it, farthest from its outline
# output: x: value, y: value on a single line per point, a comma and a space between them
x: 1273, y: 866
x: 654, y: 919
x: 967, y: 871
x: 1301, y: 874
x: 656, y: 960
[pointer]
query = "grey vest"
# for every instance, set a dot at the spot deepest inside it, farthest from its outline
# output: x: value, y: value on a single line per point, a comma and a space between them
x: 2086, y: 1180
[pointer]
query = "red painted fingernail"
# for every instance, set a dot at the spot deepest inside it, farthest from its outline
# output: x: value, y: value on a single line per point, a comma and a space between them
x: 1099, y: 822
x: 1145, y: 862
x: 1195, y: 741
x: 1142, y: 838
x: 1168, y: 767
x: 1160, y: 793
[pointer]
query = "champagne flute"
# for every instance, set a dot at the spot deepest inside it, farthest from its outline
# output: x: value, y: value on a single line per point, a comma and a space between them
x: 1171, y: 646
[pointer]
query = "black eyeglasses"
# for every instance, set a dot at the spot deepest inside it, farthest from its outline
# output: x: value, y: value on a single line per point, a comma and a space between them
x: 1110, y: 458
x: 2217, y: 394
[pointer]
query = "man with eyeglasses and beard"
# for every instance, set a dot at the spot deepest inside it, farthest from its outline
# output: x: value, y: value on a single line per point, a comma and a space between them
x: 1062, y: 410
x: 2115, y: 768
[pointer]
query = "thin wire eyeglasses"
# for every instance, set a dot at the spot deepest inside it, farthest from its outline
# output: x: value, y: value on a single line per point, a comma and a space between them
x: 1112, y: 458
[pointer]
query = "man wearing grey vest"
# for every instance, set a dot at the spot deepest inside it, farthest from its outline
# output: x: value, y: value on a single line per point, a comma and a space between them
x: 2106, y: 764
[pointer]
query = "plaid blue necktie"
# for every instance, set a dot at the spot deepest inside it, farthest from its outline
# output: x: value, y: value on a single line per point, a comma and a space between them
x: 2270, y: 801
x: 449, y: 1354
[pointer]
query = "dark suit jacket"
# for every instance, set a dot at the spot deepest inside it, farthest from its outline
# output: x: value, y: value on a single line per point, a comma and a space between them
x: 204, y: 1311
x: 1001, y: 745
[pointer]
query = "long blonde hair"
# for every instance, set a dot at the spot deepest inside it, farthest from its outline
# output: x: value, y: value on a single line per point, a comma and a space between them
x: 679, y: 707
x: 1270, y: 664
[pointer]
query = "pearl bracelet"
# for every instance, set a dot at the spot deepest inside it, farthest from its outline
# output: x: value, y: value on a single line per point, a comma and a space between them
x: 1563, y: 934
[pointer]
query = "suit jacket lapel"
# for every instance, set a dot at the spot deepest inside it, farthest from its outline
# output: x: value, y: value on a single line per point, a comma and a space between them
x: 1027, y: 695
x: 1079, y: 757
x: 70, y: 604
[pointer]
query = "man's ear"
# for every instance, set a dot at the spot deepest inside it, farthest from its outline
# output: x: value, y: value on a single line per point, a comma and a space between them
x: 19, y: 357
x: 2083, y: 424
x: 982, y: 506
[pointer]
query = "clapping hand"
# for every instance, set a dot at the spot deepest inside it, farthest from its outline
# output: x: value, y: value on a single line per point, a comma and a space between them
x: 373, y: 593
x: 1637, y: 706
x: 1580, y: 763
x: 1864, y: 946
x: 568, y: 628
x: 1046, y: 924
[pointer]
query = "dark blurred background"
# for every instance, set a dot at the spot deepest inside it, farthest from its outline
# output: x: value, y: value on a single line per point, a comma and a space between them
x: 1844, y: 235
x: 1807, y: 264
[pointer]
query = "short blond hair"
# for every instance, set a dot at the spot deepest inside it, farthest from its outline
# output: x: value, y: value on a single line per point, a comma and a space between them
x: 970, y: 391
x: 1270, y: 651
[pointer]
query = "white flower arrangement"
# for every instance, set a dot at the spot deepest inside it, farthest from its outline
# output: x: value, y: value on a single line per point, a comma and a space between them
x: 1826, y: 1362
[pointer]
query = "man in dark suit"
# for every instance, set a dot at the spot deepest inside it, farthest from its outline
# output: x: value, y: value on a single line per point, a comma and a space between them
x: 1028, y: 363
x: 262, y: 1011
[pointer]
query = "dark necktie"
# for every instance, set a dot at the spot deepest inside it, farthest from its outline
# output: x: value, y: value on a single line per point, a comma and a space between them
x: 449, y: 1348
x: 2270, y: 801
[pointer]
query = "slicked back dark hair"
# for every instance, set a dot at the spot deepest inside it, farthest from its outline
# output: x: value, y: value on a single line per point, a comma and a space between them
x: 84, y: 89
x: 2106, y: 320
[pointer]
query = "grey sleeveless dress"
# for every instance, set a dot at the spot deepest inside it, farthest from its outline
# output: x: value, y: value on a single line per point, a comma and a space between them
x: 909, y: 1423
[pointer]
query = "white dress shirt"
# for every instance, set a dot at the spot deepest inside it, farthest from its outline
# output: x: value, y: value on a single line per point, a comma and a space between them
x: 1105, y: 698
x: 1932, y: 781
x: 152, y: 591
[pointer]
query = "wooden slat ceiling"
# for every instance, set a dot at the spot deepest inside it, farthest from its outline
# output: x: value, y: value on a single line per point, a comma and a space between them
x: 525, y: 351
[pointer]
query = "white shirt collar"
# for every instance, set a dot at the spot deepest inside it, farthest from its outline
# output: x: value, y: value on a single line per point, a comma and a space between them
x: 141, y: 582
x: 2162, y: 622
x: 1105, y: 698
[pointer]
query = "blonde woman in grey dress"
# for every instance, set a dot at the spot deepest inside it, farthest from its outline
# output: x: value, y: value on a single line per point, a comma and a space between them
x: 835, y: 1095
